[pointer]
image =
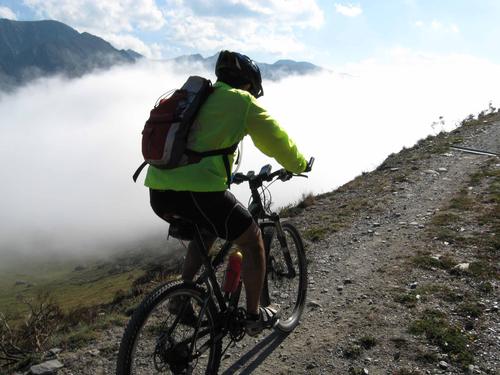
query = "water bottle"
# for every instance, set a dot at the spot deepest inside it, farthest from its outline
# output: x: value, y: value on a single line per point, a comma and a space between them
x: 233, y: 271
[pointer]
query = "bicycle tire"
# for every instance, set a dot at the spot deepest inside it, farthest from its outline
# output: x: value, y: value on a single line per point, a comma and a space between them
x: 291, y: 299
x: 155, y: 310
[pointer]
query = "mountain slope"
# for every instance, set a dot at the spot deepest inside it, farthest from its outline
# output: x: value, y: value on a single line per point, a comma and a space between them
x: 29, y: 49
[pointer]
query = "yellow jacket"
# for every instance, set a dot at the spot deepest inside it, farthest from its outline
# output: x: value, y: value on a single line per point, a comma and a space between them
x: 224, y: 119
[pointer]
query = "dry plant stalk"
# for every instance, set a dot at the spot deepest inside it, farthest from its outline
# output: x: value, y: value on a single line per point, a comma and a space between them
x: 30, y: 337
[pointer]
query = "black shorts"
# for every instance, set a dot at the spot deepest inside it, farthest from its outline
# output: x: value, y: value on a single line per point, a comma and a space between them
x: 219, y: 212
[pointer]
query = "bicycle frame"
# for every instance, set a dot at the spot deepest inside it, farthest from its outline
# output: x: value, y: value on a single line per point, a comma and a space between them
x: 208, y: 276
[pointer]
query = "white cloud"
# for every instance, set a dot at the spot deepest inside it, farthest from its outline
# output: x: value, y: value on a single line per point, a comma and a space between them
x: 127, y: 41
x: 348, y: 10
x: 7, y: 13
x: 454, y: 28
x: 241, y: 24
x: 438, y: 26
x: 105, y: 16
x: 204, y: 25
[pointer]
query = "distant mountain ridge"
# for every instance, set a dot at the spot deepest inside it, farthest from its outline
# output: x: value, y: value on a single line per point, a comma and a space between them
x: 29, y: 49
x: 275, y: 71
x: 32, y: 49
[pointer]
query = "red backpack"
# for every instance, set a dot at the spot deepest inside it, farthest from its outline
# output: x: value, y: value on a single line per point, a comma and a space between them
x: 165, y: 134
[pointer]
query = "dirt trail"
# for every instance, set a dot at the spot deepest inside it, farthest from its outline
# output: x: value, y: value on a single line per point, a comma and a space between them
x: 353, y: 272
x: 361, y: 262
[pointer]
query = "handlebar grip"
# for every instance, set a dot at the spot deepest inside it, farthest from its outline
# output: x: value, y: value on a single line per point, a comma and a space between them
x: 238, y: 178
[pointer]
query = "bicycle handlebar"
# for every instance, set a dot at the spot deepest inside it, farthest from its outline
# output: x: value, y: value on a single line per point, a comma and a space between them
x: 265, y: 174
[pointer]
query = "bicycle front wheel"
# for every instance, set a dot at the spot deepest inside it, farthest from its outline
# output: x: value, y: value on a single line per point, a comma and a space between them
x: 286, y: 274
x: 172, y: 332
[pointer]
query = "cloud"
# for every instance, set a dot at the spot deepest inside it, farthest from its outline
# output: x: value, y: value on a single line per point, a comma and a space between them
x: 7, y: 13
x: 101, y: 16
x: 127, y: 41
x: 349, y: 10
x: 241, y: 24
x: 202, y: 25
x: 438, y: 26
x: 454, y: 28
x: 76, y: 142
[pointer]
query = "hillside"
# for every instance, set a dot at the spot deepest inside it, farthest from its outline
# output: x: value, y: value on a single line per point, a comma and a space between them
x: 403, y: 273
x: 30, y: 49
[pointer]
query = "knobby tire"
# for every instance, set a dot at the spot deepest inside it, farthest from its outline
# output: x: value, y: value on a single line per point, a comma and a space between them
x: 150, y: 309
x: 276, y: 289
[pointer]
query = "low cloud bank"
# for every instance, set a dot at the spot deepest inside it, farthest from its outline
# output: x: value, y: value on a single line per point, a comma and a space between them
x: 68, y: 148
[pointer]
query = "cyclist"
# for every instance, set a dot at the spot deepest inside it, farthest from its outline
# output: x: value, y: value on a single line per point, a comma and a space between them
x: 198, y: 192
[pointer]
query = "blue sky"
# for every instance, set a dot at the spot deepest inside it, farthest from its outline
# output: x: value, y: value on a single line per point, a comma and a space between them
x: 326, y: 32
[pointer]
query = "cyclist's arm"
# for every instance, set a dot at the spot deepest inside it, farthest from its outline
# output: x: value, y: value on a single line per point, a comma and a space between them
x: 272, y: 140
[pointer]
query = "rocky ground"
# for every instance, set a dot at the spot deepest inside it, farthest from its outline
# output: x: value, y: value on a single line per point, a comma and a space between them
x: 403, y: 273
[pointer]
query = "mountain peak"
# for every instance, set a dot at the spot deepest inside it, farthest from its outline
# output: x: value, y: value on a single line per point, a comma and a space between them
x: 29, y: 49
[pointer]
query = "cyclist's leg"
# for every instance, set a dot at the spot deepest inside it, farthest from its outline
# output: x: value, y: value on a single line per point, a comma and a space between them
x: 254, y: 265
x: 225, y: 217
x: 192, y: 263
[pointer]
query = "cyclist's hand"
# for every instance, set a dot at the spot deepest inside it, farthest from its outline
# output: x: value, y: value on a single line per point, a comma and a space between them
x: 309, y: 165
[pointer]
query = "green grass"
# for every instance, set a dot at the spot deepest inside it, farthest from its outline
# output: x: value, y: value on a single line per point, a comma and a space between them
x: 428, y: 262
x: 440, y: 291
x: 69, y: 288
x: 472, y: 309
x: 367, y: 342
x: 478, y: 211
x: 352, y: 351
x: 76, y: 337
x: 435, y: 326
x: 294, y: 209
x: 427, y: 357
x: 408, y: 299
x: 462, y: 202
x: 483, y: 270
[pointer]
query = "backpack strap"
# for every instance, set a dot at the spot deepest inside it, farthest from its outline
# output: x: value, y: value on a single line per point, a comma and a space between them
x: 221, y: 151
x: 138, y: 171
x: 198, y: 155
x: 225, y: 152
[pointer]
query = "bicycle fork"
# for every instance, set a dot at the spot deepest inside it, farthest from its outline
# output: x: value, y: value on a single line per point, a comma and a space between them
x: 280, y: 233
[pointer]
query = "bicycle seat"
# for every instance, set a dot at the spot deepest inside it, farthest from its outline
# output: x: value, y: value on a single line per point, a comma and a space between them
x: 184, y: 229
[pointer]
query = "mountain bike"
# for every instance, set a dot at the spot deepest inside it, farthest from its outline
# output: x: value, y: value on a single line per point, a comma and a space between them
x: 188, y: 339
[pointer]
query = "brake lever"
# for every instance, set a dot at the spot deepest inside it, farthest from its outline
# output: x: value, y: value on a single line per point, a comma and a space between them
x: 285, y: 175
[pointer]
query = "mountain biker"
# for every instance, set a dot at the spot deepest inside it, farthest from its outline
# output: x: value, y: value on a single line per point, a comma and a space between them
x: 198, y: 192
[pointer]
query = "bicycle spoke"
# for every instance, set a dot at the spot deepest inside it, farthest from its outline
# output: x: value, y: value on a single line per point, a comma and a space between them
x: 175, y: 337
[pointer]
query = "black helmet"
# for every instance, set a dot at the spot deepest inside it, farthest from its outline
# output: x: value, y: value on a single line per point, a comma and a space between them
x: 236, y: 70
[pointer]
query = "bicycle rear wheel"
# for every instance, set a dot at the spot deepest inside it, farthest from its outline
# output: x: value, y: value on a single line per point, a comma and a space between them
x: 286, y: 277
x: 172, y: 332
